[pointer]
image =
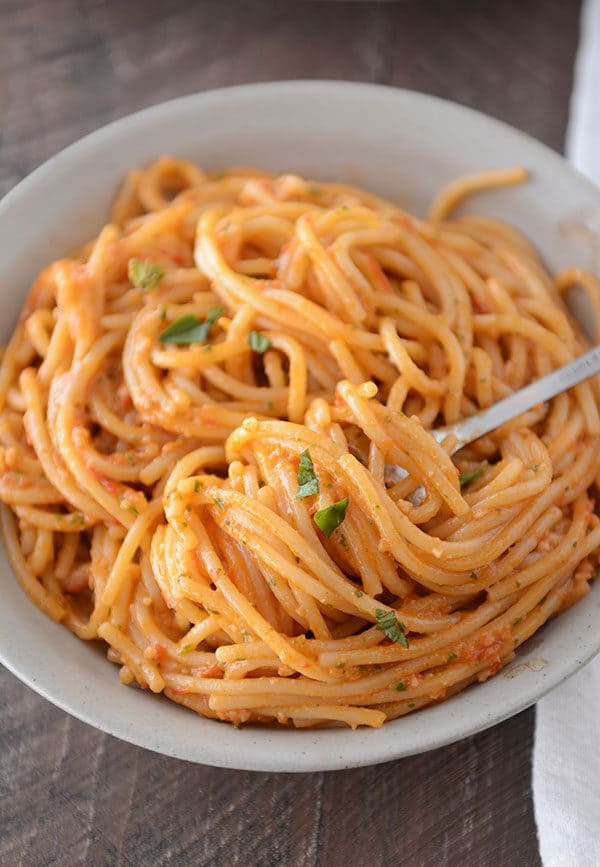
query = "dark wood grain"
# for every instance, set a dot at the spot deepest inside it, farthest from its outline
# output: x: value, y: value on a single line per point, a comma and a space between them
x: 70, y: 795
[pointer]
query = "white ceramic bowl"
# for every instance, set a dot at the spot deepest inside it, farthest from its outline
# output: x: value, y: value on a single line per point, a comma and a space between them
x: 400, y: 144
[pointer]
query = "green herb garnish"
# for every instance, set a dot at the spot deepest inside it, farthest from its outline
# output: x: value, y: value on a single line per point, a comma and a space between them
x: 258, y: 342
x: 466, y: 478
x: 308, y: 482
x: 330, y: 518
x: 189, y: 329
x: 144, y: 275
x: 400, y: 686
x: 391, y: 626
x: 219, y: 502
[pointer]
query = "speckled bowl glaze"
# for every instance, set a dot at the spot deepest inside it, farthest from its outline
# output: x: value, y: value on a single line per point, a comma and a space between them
x: 402, y: 145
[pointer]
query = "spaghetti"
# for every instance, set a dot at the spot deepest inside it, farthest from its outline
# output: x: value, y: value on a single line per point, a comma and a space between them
x: 197, y: 410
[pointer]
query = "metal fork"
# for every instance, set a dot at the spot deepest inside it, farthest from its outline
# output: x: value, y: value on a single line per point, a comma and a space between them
x: 469, y: 429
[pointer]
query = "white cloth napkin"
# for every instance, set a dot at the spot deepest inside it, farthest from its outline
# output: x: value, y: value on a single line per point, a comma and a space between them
x: 566, y: 755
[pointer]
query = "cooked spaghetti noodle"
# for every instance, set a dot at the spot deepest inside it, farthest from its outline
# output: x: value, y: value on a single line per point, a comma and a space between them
x: 197, y: 410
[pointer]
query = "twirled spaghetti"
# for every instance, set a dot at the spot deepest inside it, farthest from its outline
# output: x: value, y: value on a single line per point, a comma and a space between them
x: 196, y: 414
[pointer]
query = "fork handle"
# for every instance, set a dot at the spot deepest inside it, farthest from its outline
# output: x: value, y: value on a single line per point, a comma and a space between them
x: 469, y: 429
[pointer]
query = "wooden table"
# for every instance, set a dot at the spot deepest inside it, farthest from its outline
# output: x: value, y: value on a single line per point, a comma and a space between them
x: 73, y: 796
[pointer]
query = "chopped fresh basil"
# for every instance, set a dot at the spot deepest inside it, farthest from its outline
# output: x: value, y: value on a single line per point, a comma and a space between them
x: 465, y: 478
x: 391, y: 626
x: 258, y: 342
x: 308, y: 482
x: 330, y: 518
x: 189, y: 329
x: 144, y: 275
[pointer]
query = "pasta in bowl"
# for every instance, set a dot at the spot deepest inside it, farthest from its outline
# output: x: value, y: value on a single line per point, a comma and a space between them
x: 198, y: 410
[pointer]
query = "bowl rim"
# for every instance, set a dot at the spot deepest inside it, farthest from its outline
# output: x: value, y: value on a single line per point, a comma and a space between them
x: 300, y: 85
x: 267, y: 749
